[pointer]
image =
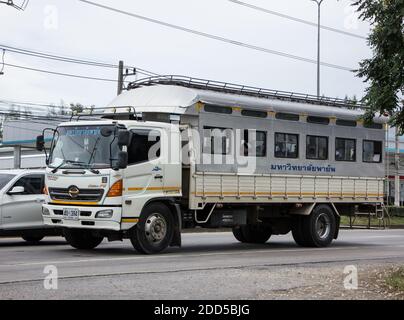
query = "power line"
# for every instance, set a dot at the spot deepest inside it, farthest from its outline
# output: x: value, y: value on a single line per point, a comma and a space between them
x: 16, y: 113
x: 282, y: 15
x: 60, y: 73
x: 88, y: 62
x: 11, y: 3
x: 25, y: 108
x: 13, y: 102
x: 218, y: 38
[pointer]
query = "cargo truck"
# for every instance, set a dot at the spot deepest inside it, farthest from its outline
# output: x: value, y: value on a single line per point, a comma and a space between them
x: 173, y: 152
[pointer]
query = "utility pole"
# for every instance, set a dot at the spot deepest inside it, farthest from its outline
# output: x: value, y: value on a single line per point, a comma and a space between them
x: 397, y: 173
x: 17, y: 157
x: 319, y: 2
x: 123, y: 73
x: 120, y: 77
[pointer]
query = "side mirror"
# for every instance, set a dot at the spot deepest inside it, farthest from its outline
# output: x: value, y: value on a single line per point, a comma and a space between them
x: 122, y: 160
x: 40, y: 143
x: 106, y: 131
x: 16, y: 190
x: 123, y: 138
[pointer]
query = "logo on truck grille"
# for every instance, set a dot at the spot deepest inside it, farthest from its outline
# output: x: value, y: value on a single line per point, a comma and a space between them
x: 73, y: 192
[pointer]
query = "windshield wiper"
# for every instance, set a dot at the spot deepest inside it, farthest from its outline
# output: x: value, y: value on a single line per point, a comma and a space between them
x: 91, y: 157
x: 65, y: 162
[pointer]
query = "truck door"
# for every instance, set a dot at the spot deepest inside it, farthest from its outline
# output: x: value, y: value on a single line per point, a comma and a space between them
x: 145, y: 172
x: 24, y: 210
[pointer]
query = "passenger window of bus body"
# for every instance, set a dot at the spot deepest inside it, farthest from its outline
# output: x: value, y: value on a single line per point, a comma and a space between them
x: 286, y: 145
x: 316, y: 148
x: 372, y: 151
x: 345, y: 149
x: 254, y: 143
x: 217, y: 140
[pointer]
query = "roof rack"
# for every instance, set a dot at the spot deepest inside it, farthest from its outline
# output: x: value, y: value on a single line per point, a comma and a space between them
x: 101, y: 114
x: 244, y: 90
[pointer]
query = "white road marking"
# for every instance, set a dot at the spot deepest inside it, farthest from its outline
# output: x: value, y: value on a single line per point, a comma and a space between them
x: 383, y: 237
x: 61, y: 262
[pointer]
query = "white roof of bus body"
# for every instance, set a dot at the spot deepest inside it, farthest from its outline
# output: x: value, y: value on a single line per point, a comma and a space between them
x: 177, y: 99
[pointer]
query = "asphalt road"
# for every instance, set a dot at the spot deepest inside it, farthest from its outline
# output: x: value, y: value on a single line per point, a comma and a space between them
x: 208, y: 266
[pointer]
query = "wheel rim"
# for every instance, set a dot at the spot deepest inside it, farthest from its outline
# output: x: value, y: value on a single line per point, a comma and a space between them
x: 155, y: 228
x: 323, y: 226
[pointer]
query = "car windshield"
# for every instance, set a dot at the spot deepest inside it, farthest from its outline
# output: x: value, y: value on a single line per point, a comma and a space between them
x: 83, y: 146
x: 4, y: 179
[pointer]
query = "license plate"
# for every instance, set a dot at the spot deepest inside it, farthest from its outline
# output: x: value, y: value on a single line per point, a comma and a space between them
x: 71, y: 214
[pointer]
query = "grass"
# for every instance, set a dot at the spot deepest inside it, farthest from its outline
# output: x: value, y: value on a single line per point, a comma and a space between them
x: 396, y: 280
x: 361, y: 221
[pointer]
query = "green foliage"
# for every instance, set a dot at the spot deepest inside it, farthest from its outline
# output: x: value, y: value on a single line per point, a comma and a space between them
x: 79, y: 108
x: 384, y: 71
x: 396, y: 280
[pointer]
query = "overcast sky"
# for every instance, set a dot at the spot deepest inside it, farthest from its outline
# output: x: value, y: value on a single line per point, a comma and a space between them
x: 76, y: 29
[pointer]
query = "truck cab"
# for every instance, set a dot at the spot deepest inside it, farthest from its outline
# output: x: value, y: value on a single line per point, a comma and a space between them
x: 101, y: 174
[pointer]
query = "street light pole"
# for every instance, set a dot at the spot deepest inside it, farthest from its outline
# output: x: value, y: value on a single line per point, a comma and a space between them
x: 319, y: 2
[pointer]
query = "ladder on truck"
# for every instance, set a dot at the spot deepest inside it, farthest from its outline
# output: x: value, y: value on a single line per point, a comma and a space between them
x: 380, y: 213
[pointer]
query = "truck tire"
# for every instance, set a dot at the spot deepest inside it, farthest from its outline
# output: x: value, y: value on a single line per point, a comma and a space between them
x: 317, y: 229
x: 238, y: 234
x: 155, y: 229
x: 32, y: 239
x: 251, y: 233
x: 297, y: 231
x: 80, y: 239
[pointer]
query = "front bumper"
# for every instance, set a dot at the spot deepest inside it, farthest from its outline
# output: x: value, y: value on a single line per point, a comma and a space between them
x: 86, y: 220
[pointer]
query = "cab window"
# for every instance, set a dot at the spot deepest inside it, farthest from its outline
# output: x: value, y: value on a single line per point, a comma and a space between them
x: 144, y: 146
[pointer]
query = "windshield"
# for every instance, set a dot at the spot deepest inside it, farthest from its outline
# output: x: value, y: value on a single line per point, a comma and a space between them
x: 4, y: 179
x: 83, y: 146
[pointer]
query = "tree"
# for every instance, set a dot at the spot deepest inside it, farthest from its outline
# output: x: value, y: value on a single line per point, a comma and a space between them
x: 384, y: 71
x: 79, y: 108
x: 76, y: 108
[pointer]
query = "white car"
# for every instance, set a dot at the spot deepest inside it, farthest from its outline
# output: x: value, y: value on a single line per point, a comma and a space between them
x: 21, y: 199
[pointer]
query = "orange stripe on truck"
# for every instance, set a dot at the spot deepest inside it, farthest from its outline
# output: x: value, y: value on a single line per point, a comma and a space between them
x: 155, y: 189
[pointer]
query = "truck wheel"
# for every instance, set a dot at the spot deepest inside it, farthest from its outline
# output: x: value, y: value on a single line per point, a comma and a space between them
x: 297, y: 231
x: 80, y: 239
x: 32, y: 239
x: 251, y: 233
x: 318, y: 229
x: 238, y: 234
x: 155, y: 229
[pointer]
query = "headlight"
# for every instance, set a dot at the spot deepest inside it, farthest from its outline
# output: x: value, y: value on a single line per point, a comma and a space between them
x: 104, y: 214
x: 45, y: 211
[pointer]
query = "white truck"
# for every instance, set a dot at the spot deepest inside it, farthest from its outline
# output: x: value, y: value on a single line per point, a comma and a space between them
x: 173, y: 152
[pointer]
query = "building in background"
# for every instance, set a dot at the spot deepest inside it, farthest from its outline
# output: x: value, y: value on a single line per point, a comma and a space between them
x: 18, y: 146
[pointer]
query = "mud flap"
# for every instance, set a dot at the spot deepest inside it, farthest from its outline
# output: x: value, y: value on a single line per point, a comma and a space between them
x: 176, y: 242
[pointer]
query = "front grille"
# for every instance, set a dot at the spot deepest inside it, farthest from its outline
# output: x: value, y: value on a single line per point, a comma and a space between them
x: 93, y: 195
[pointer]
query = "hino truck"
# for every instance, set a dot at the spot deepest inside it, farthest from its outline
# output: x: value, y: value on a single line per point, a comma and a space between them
x: 172, y: 152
